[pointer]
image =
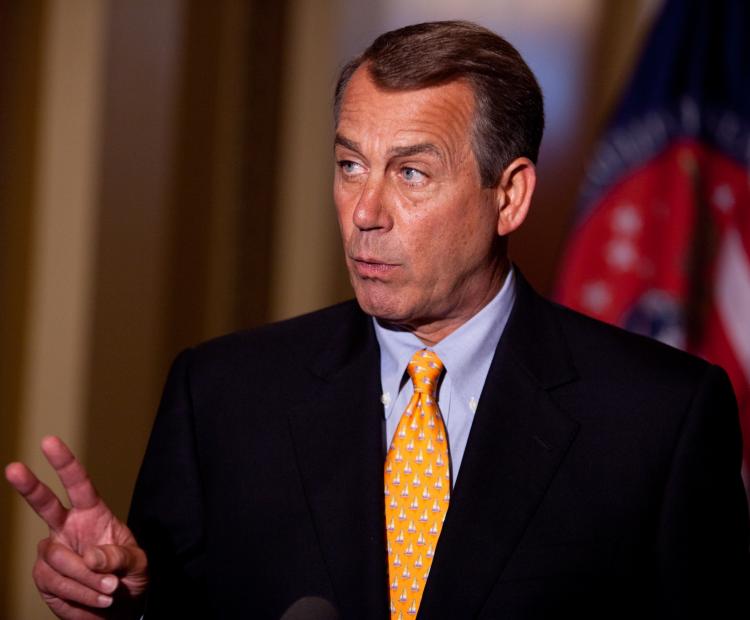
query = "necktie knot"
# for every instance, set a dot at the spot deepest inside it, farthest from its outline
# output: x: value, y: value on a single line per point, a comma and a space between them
x: 424, y: 369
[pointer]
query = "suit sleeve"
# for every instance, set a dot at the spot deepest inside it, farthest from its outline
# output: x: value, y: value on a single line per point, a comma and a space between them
x: 166, y: 513
x: 704, y: 566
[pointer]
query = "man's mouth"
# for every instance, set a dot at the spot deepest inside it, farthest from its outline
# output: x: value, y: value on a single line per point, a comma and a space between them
x: 371, y: 267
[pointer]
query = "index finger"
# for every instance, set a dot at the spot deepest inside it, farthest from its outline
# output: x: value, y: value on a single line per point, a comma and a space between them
x: 72, y: 474
x: 37, y: 494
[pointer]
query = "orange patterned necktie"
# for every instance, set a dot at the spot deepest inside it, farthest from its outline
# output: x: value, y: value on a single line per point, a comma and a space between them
x: 417, y: 488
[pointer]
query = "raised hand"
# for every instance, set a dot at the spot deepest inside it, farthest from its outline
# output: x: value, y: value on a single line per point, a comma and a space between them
x: 90, y: 566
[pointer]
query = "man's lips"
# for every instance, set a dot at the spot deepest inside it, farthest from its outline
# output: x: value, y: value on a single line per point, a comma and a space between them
x: 366, y: 266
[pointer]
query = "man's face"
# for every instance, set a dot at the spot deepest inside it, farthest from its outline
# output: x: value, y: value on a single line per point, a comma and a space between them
x: 419, y: 231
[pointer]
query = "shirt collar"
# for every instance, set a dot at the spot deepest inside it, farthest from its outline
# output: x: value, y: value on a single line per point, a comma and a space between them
x: 466, y: 353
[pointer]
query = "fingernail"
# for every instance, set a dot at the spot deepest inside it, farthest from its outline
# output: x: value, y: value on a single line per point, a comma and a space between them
x: 109, y: 584
x: 104, y: 601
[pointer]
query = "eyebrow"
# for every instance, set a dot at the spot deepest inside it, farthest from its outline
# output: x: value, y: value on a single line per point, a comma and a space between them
x: 396, y: 151
x: 346, y: 143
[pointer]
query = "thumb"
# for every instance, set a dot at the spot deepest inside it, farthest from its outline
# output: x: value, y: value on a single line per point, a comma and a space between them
x: 118, y: 559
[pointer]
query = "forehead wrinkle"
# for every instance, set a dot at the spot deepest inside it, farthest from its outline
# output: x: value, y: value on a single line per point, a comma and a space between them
x: 441, y: 116
x: 416, y: 149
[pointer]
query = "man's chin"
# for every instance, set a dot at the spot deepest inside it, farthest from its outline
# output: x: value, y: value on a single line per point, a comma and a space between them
x: 385, y: 309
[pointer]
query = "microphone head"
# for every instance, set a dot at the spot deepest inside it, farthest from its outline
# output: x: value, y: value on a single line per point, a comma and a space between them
x: 311, y: 608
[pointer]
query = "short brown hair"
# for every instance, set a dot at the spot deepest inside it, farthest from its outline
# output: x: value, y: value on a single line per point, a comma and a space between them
x: 509, y: 114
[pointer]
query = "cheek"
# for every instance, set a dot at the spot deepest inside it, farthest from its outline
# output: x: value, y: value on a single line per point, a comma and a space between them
x: 343, y: 209
x: 456, y: 241
x: 433, y: 250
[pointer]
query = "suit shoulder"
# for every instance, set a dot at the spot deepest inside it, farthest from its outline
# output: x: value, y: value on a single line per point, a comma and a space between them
x: 299, y: 337
x: 231, y: 372
x: 594, y: 343
x: 634, y: 383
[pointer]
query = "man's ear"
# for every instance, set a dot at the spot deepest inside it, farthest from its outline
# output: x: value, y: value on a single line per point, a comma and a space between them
x: 513, y: 194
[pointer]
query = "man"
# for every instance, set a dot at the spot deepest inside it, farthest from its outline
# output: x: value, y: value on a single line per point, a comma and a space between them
x: 590, y: 472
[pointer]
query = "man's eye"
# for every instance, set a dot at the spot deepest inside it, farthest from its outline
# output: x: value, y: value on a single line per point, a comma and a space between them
x: 412, y: 175
x: 349, y: 167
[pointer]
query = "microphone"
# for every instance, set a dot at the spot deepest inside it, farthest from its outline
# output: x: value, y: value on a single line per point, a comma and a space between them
x: 311, y: 608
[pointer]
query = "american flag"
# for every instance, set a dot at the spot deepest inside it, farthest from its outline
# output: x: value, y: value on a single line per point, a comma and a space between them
x: 661, y: 239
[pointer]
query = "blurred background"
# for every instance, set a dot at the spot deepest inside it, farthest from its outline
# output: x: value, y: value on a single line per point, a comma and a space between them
x: 165, y: 172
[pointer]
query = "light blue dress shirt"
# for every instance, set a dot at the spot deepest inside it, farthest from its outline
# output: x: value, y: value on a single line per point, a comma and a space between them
x: 466, y: 354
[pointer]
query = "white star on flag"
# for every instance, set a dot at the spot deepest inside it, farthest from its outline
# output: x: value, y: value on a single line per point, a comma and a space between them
x: 626, y: 220
x: 621, y: 254
x: 723, y: 198
x: 596, y: 296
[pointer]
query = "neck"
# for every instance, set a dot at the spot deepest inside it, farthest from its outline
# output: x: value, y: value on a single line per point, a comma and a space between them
x: 432, y: 332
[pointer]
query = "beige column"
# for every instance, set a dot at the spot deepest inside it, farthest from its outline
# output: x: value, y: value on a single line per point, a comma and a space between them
x: 306, y: 247
x: 61, y: 259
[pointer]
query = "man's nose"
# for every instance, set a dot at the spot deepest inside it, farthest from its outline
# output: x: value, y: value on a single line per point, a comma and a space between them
x: 372, y: 212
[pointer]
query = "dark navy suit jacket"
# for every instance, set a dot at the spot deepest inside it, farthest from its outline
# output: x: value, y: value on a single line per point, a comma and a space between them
x: 600, y: 480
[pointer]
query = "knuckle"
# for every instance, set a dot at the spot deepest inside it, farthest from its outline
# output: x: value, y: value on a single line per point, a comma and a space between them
x: 115, y: 557
x: 55, y: 555
x: 69, y: 590
x: 47, y: 503
x: 120, y: 556
x: 37, y: 574
x: 44, y: 577
x: 42, y: 545
x: 64, y: 589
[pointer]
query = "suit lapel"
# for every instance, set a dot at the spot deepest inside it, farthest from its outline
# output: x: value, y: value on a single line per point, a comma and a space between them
x: 338, y: 437
x: 518, y: 440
